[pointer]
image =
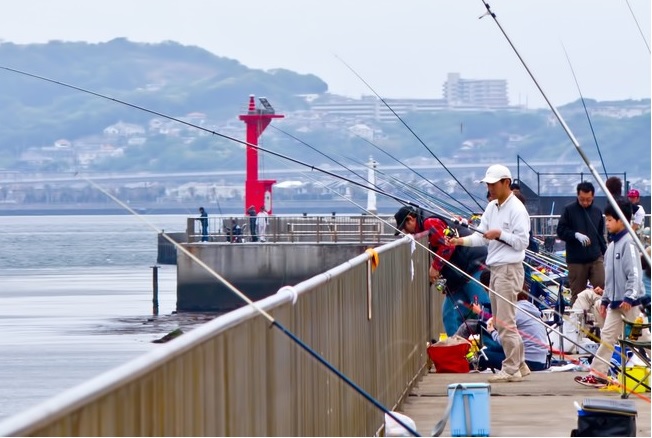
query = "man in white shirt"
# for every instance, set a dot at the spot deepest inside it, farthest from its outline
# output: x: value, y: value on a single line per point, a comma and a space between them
x: 638, y: 212
x: 505, y: 229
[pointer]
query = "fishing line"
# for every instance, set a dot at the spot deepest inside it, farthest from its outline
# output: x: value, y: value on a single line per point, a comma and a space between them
x: 586, y: 111
x: 350, y: 170
x: 407, y: 126
x: 323, y: 154
x: 572, y: 138
x: 638, y: 26
x: 414, y: 171
x: 416, y: 193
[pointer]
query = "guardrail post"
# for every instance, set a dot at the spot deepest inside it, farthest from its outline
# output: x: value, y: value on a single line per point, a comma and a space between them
x: 155, y: 289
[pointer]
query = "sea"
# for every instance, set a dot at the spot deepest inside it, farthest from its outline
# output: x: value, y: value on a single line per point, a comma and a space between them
x: 76, y: 300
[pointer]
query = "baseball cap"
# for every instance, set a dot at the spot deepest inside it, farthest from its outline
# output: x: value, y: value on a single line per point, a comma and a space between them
x: 495, y: 173
x: 633, y: 193
x: 400, y: 217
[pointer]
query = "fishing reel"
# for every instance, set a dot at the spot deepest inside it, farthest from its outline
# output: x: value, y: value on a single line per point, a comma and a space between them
x: 440, y: 284
x: 451, y: 232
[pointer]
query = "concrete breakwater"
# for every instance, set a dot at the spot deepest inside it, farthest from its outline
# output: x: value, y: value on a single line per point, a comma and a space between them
x: 258, y: 270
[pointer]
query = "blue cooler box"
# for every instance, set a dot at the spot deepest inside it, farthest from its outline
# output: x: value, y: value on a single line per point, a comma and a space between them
x: 472, y: 400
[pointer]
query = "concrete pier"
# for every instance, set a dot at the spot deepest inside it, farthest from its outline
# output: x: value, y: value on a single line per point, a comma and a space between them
x: 257, y: 269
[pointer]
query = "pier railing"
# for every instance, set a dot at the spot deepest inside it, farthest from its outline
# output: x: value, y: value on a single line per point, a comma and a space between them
x: 317, y: 229
x: 239, y: 376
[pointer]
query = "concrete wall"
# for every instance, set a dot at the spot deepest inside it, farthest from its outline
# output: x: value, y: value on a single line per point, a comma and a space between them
x: 258, y: 270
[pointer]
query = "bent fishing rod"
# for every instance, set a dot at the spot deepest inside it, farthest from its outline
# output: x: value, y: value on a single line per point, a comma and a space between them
x: 408, y: 128
x: 571, y: 136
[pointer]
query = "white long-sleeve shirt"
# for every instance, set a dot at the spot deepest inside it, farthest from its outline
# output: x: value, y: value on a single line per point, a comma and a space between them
x: 514, y: 222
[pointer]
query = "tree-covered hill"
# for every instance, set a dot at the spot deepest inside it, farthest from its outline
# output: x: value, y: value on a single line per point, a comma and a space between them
x: 168, y: 77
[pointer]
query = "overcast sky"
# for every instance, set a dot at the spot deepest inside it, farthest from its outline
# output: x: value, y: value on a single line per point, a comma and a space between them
x: 402, y: 48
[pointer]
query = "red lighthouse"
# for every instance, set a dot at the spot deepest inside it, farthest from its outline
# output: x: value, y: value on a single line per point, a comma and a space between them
x: 257, y: 192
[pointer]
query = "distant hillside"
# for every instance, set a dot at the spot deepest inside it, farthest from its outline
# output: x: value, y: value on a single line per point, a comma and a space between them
x: 167, y: 77
x: 177, y: 80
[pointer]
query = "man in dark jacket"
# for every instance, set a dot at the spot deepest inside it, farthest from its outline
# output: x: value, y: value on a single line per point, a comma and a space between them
x: 581, y: 226
x: 468, y: 259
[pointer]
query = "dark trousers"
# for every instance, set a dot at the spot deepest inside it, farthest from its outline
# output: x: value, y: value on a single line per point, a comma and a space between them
x: 579, y: 273
x: 495, y: 360
x: 252, y: 229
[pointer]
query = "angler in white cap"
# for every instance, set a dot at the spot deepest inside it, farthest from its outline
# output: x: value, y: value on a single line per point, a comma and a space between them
x: 505, y: 229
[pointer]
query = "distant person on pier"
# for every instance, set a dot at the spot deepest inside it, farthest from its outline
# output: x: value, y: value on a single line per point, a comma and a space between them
x: 203, y: 222
x: 234, y: 233
x: 615, y: 187
x: 251, y: 212
x: 516, y: 190
x: 261, y: 224
x: 638, y: 212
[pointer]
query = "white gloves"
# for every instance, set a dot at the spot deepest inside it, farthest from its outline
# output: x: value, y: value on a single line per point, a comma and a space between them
x: 584, y: 240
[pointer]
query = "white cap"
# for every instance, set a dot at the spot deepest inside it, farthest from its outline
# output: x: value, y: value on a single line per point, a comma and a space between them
x: 495, y: 173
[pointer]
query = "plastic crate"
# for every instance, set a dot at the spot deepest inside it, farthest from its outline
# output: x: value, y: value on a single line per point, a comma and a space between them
x: 474, y: 398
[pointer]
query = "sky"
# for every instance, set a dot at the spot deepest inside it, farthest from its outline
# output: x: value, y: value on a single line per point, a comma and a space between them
x: 401, y: 48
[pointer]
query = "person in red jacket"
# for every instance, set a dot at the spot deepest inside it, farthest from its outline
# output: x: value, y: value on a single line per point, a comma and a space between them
x: 470, y: 260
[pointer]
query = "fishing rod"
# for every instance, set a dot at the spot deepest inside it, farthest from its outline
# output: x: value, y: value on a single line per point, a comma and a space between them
x: 362, y: 177
x: 586, y: 111
x: 571, y: 136
x: 414, y: 191
x: 408, y: 128
x: 322, y: 154
x: 471, y: 278
x: 232, y: 288
x: 413, y: 170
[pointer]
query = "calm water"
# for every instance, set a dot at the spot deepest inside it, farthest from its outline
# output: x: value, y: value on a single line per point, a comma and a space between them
x: 76, y: 300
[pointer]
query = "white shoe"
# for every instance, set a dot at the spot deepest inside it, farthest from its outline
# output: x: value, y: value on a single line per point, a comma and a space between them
x: 503, y: 376
x: 524, y: 370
